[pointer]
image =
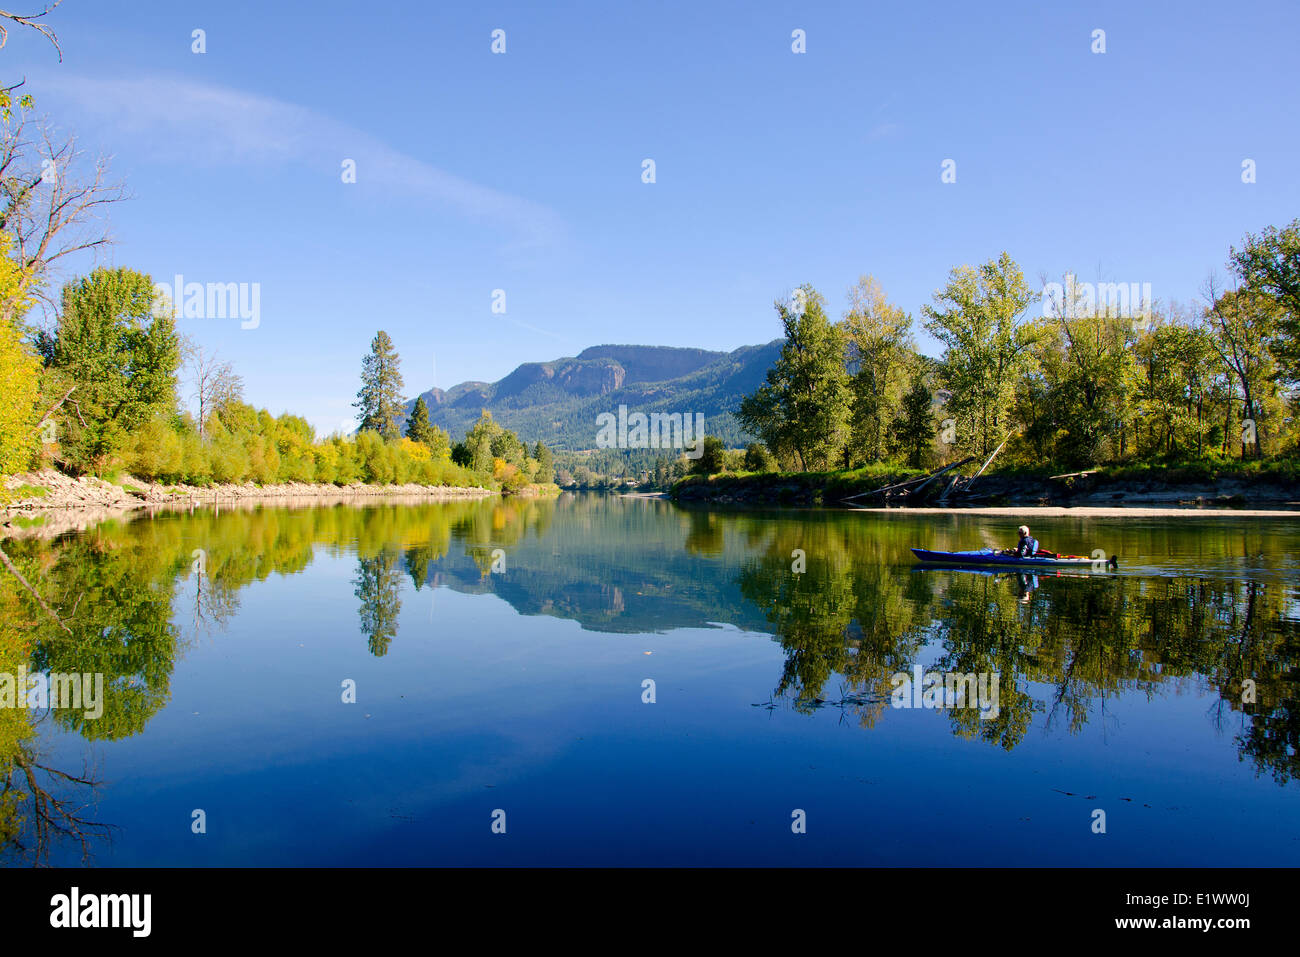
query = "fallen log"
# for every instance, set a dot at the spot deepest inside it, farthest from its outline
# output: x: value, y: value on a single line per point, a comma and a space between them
x: 949, y: 468
x: 923, y: 481
x: 943, y: 497
x: 986, y: 464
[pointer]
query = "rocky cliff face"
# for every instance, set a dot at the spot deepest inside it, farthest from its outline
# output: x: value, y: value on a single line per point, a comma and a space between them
x: 599, y: 377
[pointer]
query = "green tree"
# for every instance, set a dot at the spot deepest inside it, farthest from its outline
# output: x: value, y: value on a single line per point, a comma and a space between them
x: 439, y: 445
x: 880, y: 336
x: 505, y: 445
x: 379, y: 403
x: 121, y: 355
x: 418, y: 427
x: 979, y: 316
x: 545, y: 464
x: 758, y: 458
x: 1268, y: 265
x: 915, y: 425
x: 711, y: 457
x: 1088, y: 376
x: 478, y: 443
x: 802, y: 410
x: 1245, y: 323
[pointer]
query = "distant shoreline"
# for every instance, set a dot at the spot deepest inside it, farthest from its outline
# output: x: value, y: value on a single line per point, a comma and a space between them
x: 1165, y: 494
x: 1086, y: 511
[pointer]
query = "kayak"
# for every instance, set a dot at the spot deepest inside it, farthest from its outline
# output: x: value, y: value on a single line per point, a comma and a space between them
x: 999, y: 571
x: 991, y: 556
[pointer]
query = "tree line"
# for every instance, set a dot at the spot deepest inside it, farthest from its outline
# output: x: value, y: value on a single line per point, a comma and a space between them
x: 1081, y: 384
x: 488, y: 447
x: 102, y: 394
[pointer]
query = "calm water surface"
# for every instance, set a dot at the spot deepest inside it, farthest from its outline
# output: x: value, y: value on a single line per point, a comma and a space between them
x: 500, y: 653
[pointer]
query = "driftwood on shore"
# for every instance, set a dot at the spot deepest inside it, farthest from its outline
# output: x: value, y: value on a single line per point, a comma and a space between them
x: 912, y: 489
x: 915, y: 491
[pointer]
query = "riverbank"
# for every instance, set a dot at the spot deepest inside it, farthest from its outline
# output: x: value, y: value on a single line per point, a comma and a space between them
x: 1091, y: 511
x: 50, y: 491
x: 1167, y: 491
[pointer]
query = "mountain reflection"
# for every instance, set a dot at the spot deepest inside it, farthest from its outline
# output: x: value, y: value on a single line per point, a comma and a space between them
x: 124, y: 598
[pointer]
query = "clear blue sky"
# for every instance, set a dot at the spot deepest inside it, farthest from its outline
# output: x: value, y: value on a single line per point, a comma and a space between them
x: 522, y: 171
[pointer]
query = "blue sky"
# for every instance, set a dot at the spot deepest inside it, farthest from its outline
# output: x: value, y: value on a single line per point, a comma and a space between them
x: 522, y: 171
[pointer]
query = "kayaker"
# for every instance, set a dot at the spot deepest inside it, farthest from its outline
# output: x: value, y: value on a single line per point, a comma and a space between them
x: 1027, y: 547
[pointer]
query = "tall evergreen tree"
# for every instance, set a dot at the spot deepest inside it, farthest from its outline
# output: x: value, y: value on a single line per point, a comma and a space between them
x: 915, y: 426
x: 379, y: 586
x: 418, y: 428
x: 379, y: 402
x: 545, y: 464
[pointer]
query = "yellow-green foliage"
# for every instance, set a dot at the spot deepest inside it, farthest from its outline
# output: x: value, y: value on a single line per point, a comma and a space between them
x: 19, y: 371
x: 156, y: 450
x: 242, y: 444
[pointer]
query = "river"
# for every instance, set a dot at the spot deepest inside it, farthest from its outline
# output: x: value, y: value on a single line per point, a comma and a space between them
x: 596, y: 680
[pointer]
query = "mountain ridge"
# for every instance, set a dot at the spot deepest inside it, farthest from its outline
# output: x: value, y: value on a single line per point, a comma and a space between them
x: 557, y: 401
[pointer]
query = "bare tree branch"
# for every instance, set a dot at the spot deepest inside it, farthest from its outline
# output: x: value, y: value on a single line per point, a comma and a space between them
x: 29, y: 20
x: 50, y: 206
x: 215, y: 383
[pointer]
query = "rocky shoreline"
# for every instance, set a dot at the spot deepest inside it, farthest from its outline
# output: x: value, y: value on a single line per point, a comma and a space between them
x: 63, y: 492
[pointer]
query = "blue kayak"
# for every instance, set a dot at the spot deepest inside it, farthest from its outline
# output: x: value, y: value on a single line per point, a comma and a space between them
x: 991, y: 556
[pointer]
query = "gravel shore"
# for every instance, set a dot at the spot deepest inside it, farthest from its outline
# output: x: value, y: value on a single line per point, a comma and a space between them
x: 64, y: 492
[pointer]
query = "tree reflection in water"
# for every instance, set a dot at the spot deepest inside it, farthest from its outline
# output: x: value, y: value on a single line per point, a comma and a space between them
x: 123, y: 599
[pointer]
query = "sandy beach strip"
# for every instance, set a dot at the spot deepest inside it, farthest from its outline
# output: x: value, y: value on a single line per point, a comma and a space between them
x: 1091, y: 511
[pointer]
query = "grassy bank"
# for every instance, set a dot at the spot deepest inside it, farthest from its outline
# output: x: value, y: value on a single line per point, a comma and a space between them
x: 789, y: 488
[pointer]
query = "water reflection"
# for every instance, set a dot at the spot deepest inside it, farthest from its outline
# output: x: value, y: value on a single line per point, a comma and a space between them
x: 124, y: 598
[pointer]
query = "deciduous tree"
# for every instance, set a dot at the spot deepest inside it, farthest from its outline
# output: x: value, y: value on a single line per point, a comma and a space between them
x: 979, y: 316
x: 802, y: 410
x: 879, y: 336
